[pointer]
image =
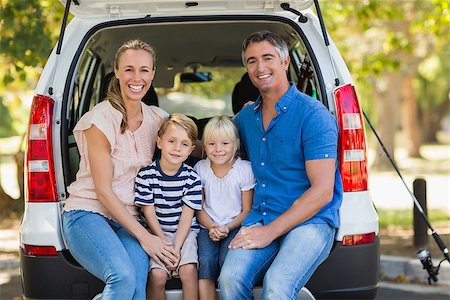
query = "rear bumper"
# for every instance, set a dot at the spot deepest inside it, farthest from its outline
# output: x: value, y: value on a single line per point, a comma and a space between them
x: 349, y: 272
x: 56, y: 277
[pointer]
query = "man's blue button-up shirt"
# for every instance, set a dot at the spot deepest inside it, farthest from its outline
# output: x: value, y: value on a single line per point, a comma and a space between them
x: 303, y: 130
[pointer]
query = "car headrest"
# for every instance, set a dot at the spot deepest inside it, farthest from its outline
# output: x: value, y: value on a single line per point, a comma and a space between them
x: 151, y: 98
x: 243, y: 92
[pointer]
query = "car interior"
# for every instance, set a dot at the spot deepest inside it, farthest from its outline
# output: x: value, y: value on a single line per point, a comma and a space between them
x: 199, y: 70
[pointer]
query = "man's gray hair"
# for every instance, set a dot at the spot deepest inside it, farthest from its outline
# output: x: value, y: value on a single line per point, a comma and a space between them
x: 265, y: 35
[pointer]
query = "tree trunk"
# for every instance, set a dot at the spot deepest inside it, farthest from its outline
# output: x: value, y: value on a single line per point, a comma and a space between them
x: 387, y: 100
x: 410, y: 118
x: 432, y: 121
x: 6, y: 201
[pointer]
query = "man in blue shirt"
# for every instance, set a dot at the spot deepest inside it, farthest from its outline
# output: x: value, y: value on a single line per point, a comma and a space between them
x: 291, y: 141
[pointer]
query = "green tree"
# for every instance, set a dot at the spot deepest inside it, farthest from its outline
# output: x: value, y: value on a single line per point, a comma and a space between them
x: 26, y: 40
x: 27, y: 37
x: 384, y: 43
x: 433, y: 86
x: 6, y: 128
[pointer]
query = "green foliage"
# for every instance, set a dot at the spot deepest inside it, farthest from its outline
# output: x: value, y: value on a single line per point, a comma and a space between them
x: 376, y: 37
x: 29, y: 30
x: 403, y: 218
x: 19, y: 30
x: 27, y: 36
x: 6, y: 122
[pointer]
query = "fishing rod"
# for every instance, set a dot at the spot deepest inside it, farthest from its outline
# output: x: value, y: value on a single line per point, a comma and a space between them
x: 423, y: 254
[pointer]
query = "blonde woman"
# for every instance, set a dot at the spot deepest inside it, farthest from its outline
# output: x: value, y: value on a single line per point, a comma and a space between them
x: 115, y: 139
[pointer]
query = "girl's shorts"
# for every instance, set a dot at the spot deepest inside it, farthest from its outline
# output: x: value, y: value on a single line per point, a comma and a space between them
x: 211, y: 255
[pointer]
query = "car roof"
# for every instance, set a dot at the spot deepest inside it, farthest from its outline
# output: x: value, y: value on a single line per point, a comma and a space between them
x: 124, y: 8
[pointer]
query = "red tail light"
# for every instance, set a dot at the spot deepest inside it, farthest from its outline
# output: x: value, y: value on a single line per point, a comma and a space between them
x: 352, y: 143
x: 358, y: 239
x: 39, y: 250
x: 41, y: 183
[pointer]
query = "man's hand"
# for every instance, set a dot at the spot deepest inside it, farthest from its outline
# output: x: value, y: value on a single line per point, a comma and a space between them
x: 253, y: 238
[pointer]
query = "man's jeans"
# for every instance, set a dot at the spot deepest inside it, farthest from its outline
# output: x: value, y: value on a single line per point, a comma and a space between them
x: 106, y: 250
x: 286, y: 264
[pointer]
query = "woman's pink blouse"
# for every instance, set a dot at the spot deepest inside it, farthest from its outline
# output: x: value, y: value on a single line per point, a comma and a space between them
x: 130, y: 151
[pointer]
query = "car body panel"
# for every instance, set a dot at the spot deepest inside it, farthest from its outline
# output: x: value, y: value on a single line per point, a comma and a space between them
x: 41, y: 224
x: 115, y: 8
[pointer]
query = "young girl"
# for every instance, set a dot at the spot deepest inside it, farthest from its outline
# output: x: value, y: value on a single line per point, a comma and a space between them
x: 169, y: 191
x: 227, y: 198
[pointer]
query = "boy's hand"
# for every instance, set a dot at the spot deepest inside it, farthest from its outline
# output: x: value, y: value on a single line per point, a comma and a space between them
x: 173, y: 266
x: 175, y: 257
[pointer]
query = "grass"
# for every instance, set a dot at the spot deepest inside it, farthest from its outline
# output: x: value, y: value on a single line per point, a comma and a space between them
x: 403, y: 218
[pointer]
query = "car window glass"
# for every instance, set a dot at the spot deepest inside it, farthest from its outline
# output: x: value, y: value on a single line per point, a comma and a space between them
x: 202, y: 99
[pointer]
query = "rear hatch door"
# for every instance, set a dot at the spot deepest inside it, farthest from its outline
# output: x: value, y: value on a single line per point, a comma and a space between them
x: 123, y: 8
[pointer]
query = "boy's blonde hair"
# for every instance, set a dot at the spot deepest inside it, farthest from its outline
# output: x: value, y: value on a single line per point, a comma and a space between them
x: 184, y: 122
x: 221, y: 126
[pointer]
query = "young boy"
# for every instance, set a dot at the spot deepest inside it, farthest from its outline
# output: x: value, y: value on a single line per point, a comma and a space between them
x: 169, y: 191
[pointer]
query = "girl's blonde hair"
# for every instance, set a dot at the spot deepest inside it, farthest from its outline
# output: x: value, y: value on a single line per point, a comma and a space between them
x: 220, y: 127
x: 184, y: 122
x: 113, y: 95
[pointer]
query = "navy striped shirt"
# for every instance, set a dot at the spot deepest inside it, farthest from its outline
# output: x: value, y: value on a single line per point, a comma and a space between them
x: 168, y: 193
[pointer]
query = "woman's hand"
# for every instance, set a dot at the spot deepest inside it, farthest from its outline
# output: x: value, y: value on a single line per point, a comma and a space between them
x: 162, y: 252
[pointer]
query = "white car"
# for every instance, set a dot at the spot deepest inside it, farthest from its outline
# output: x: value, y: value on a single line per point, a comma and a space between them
x: 198, y: 58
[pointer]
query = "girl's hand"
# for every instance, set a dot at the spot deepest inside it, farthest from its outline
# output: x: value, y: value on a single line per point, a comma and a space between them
x: 214, y: 234
x: 224, y: 231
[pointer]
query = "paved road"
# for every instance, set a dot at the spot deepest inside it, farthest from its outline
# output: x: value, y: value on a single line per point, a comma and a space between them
x: 10, y: 285
x: 412, y: 292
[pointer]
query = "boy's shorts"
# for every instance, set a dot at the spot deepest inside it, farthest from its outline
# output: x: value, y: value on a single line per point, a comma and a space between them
x: 188, y: 253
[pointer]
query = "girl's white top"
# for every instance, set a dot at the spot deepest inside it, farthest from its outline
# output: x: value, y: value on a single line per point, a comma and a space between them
x: 223, y: 200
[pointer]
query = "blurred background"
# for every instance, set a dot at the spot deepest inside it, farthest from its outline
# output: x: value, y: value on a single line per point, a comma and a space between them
x: 398, y: 53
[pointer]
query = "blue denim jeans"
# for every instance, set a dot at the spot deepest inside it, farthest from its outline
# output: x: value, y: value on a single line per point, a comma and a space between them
x: 106, y: 250
x: 286, y: 264
x: 211, y: 255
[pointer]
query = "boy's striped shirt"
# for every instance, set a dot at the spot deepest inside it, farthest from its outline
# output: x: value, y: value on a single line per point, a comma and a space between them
x: 169, y: 193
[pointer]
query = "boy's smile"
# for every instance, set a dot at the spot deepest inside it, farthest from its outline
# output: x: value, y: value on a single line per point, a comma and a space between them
x: 175, y: 146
